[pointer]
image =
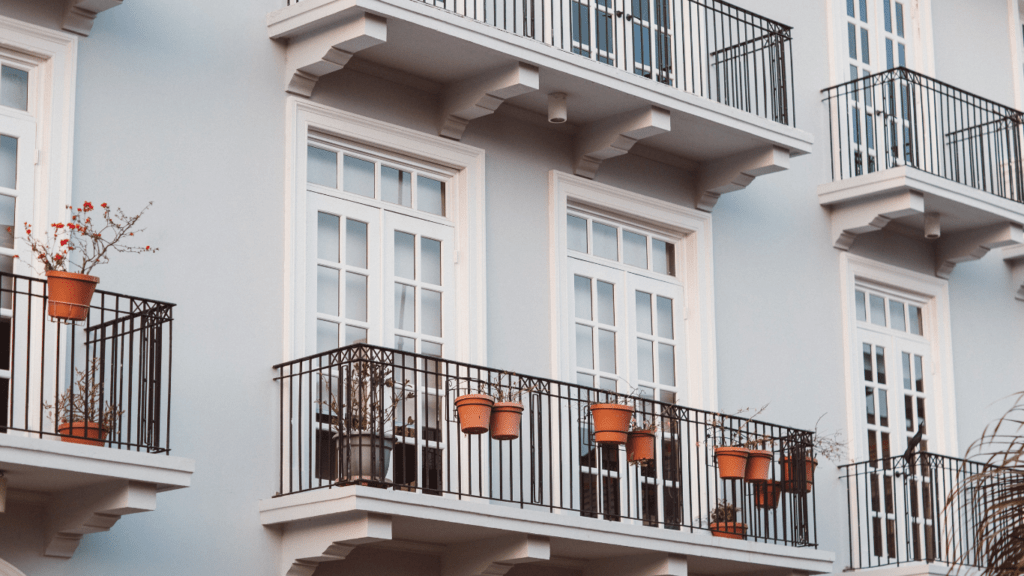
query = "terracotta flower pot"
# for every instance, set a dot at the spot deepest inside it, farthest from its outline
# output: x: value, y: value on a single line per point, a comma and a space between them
x: 734, y: 530
x: 791, y: 481
x: 91, y: 433
x: 70, y: 294
x: 611, y: 422
x: 640, y: 445
x: 767, y: 494
x: 759, y: 466
x: 474, y: 412
x: 732, y: 462
x: 506, y: 418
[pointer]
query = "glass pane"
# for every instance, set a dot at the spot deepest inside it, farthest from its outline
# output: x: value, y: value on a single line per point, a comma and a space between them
x: 431, y: 349
x: 645, y: 359
x: 869, y: 403
x: 405, y: 255
x: 321, y: 167
x: 577, y: 234
x: 865, y: 54
x: 916, y: 322
x: 665, y: 324
x: 899, y: 19
x: 644, y: 323
x: 606, y: 241
x: 359, y: 176
x: 405, y: 344
x: 8, y: 161
x: 328, y: 289
x: 7, y: 218
x: 430, y: 261
x: 581, y: 288
x: 430, y: 195
x: 326, y: 335
x: 919, y: 373
x: 395, y: 186
x: 907, y: 376
x: 355, y: 296
x: 666, y: 364
x: 908, y: 413
x: 880, y: 363
x: 431, y: 316
x: 664, y: 257
x: 851, y: 31
x: 869, y: 373
x: 328, y: 237
x: 896, y: 316
x: 584, y: 346
x: 585, y: 380
x: 886, y: 15
x: 862, y: 313
x: 634, y: 249
x: 863, y: 10
x: 609, y: 384
x: 920, y: 415
x: 883, y: 407
x: 355, y: 243
x: 605, y: 303
x: 667, y: 397
x: 405, y: 307
x: 888, y: 54
x: 606, y: 350
x: 849, y: 8
x: 13, y: 88
x: 877, y: 310
x: 355, y: 335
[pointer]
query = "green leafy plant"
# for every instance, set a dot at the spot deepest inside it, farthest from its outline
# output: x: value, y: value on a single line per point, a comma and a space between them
x: 83, y: 402
x: 723, y: 512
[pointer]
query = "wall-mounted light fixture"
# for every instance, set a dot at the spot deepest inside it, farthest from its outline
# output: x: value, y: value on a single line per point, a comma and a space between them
x: 557, y: 111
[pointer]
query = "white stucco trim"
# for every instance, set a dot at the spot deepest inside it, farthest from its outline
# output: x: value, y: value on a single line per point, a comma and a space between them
x: 470, y: 344
x: 695, y: 257
x: 937, y: 329
x: 8, y: 569
x: 53, y: 56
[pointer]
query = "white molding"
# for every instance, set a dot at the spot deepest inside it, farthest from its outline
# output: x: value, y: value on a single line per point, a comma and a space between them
x: 1014, y: 256
x: 614, y: 136
x: 329, y: 50
x: 736, y: 173
x: 8, y: 569
x: 937, y: 326
x: 305, y: 547
x: 693, y: 226
x: 80, y: 14
x: 468, y: 215
x: 479, y: 96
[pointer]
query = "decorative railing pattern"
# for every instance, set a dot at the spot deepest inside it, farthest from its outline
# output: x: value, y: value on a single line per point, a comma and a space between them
x: 382, y: 417
x: 900, y: 117
x: 919, y: 509
x: 707, y: 47
x: 125, y: 340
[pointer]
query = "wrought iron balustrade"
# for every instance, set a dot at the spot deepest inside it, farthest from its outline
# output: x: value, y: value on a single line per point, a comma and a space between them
x: 125, y: 339
x: 386, y: 418
x: 902, y: 118
x: 707, y: 47
x: 918, y: 510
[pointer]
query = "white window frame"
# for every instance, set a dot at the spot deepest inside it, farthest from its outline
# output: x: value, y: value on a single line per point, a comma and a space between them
x: 941, y: 407
x: 693, y: 264
x: 465, y: 204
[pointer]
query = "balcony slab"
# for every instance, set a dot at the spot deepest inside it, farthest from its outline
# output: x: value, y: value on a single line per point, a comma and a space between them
x: 326, y: 524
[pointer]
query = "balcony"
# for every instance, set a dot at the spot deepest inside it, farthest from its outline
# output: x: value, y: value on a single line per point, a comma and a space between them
x: 406, y: 476
x: 123, y: 348
x: 924, y: 159
x: 917, y: 512
x: 702, y: 83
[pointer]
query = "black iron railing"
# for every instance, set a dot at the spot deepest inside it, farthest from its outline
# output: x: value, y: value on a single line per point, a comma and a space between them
x: 381, y: 417
x: 902, y: 118
x: 706, y: 47
x: 114, y: 366
x: 918, y: 510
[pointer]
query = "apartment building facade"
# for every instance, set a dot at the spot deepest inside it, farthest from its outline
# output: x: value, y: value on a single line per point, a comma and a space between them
x: 367, y: 208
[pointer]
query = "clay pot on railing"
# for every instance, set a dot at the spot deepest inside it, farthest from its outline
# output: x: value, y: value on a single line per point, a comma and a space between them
x: 69, y: 294
x: 611, y: 422
x: 90, y: 433
x: 767, y: 494
x: 474, y: 412
x: 759, y: 466
x: 733, y: 530
x: 732, y: 462
x: 506, y: 419
x: 640, y: 445
x: 791, y: 481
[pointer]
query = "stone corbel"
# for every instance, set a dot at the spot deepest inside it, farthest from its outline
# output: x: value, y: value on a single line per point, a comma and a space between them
x: 494, y: 557
x: 953, y: 249
x: 659, y: 564
x: 91, y: 510
x: 80, y: 14
x: 304, y: 547
x: 481, y: 95
x: 614, y: 136
x: 856, y: 218
x: 1014, y: 256
x: 736, y: 173
x: 311, y: 56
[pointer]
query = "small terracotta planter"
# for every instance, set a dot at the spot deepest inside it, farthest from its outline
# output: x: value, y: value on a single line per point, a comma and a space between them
x: 70, y: 294
x: 474, y: 412
x: 640, y: 445
x: 611, y: 422
x: 91, y: 433
x: 759, y: 466
x: 767, y: 494
x: 732, y: 462
x: 791, y: 481
x: 506, y: 418
x: 733, y: 530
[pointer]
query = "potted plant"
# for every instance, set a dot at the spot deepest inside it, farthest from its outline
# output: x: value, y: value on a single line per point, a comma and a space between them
x: 640, y: 441
x: 80, y: 412
x: 70, y: 251
x: 363, y: 421
x: 731, y: 453
x: 474, y: 410
x: 767, y: 494
x: 759, y: 460
x: 507, y: 412
x: 830, y: 446
x: 723, y: 522
x: 611, y: 422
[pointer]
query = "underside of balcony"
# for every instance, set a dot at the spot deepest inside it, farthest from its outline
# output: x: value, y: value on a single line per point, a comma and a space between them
x: 728, y: 118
